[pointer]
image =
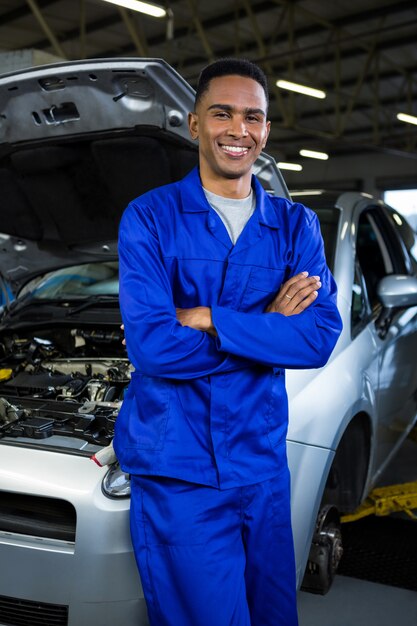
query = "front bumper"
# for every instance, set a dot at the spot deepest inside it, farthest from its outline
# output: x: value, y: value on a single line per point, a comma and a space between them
x: 95, y: 576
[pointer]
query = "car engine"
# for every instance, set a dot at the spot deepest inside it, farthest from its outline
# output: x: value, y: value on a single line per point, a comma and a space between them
x: 67, y: 383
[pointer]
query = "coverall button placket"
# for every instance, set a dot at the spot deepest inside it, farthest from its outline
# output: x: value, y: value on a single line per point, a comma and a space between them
x: 219, y: 414
x: 218, y: 229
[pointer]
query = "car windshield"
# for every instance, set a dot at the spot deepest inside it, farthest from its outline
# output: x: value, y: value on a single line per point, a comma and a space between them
x: 77, y: 281
x: 102, y: 278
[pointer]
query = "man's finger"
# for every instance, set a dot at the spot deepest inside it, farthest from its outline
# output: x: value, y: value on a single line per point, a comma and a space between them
x: 304, y: 304
x: 297, y: 289
x: 304, y: 292
x: 297, y: 305
x: 291, y: 288
x: 293, y: 292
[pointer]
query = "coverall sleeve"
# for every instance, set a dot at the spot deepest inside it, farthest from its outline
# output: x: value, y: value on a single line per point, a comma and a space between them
x: 157, y: 344
x: 301, y: 341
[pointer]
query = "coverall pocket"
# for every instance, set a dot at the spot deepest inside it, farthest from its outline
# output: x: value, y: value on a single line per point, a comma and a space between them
x: 150, y: 411
x: 170, y: 511
x: 277, y: 409
x: 262, y: 285
x: 265, y: 279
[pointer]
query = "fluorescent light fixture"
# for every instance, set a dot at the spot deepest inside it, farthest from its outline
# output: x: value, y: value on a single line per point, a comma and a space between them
x: 404, y: 117
x: 313, y: 154
x: 143, y: 7
x: 307, y: 91
x: 308, y: 192
x: 295, y: 167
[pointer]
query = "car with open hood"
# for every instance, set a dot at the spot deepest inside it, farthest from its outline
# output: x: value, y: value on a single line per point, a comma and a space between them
x: 78, y: 141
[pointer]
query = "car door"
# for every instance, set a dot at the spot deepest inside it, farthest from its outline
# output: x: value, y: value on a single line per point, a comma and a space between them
x: 379, y: 252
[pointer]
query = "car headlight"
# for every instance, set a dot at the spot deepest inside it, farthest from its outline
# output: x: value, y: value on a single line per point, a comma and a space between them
x: 116, y: 484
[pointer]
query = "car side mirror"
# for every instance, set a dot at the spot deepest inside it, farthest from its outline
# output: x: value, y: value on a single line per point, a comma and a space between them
x: 394, y: 292
x: 397, y: 291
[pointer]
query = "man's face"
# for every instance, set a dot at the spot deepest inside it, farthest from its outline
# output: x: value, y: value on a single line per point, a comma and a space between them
x: 230, y: 123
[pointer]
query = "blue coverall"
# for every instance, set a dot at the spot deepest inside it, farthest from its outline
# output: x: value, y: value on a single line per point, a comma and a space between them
x: 203, y: 424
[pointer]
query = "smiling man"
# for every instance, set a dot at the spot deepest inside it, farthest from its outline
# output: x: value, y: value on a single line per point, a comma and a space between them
x: 221, y: 288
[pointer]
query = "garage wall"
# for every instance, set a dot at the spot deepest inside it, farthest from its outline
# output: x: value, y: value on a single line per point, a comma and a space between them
x: 371, y: 173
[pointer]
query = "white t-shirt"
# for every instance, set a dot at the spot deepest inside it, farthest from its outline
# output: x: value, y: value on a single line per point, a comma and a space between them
x: 234, y: 212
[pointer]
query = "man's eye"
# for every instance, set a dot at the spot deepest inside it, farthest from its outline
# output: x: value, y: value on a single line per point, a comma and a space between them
x: 252, y: 118
x: 222, y: 114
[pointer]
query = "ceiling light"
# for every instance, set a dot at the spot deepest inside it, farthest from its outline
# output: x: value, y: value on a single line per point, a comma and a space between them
x: 307, y: 91
x: 308, y: 192
x: 143, y: 7
x: 296, y: 167
x: 312, y: 154
x: 410, y: 119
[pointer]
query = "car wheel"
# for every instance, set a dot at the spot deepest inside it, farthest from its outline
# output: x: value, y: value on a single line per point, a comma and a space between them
x: 325, y: 552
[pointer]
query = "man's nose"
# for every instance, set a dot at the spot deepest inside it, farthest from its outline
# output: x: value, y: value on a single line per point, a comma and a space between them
x: 237, y: 127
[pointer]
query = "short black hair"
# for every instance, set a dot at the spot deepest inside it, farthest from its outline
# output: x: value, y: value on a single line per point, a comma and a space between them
x: 230, y: 67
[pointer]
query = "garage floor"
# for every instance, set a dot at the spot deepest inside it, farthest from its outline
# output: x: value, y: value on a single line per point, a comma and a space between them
x: 353, y: 601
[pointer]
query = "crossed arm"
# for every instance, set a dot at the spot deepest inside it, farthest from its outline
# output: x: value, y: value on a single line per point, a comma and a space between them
x: 294, y: 296
x: 167, y: 342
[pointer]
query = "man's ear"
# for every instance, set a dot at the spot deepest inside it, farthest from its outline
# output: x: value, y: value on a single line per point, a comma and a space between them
x: 193, y: 125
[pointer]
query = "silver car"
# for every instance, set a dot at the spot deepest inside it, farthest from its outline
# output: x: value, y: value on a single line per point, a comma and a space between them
x: 348, y: 419
x: 77, y: 142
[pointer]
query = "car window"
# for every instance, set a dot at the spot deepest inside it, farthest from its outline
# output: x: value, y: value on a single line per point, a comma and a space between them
x: 406, y: 234
x: 378, y: 251
x: 360, y: 308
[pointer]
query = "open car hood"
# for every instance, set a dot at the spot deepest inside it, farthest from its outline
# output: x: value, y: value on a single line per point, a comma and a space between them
x: 78, y: 141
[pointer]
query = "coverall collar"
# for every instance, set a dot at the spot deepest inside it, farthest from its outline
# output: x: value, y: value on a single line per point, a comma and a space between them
x: 194, y: 200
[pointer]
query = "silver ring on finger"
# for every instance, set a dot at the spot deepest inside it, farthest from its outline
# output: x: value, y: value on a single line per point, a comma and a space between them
x: 289, y: 297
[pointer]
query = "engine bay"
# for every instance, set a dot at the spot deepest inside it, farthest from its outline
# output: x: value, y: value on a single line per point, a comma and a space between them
x: 65, y: 383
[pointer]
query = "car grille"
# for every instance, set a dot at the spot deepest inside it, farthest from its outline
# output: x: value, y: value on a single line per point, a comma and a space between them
x: 37, y: 516
x: 17, y: 612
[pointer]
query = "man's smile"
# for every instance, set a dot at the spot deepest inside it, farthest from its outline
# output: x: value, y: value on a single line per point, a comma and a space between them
x: 235, y: 151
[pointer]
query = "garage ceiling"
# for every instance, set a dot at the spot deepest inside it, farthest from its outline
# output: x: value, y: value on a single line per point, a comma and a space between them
x: 362, y: 53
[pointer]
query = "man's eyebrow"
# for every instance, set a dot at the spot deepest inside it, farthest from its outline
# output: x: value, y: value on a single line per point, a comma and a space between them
x: 229, y: 107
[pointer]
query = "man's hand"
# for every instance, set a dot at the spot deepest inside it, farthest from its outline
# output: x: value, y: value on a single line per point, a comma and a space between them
x: 198, y: 317
x: 295, y: 295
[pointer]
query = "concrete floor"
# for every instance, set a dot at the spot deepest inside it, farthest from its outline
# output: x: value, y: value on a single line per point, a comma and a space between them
x: 352, y: 602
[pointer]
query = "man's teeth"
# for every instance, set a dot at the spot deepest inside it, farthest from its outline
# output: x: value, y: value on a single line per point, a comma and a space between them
x: 235, y: 149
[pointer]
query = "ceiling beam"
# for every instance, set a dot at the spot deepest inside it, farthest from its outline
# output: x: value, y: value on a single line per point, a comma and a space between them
x: 140, y: 45
x: 393, y: 132
x: 23, y: 11
x: 361, y: 107
x: 201, y: 31
x: 46, y: 29
x: 263, y: 51
x: 229, y: 17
